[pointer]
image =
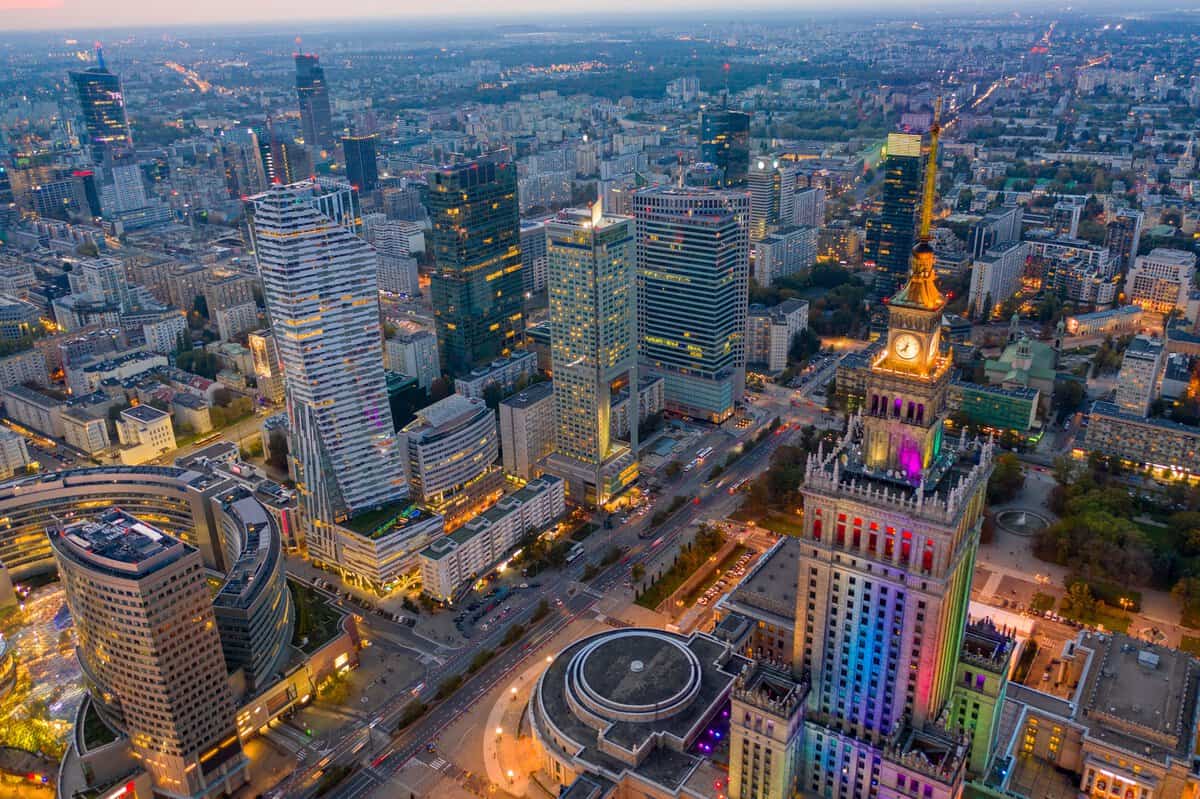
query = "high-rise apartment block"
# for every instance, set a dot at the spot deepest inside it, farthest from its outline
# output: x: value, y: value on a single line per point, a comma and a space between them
x: 693, y: 273
x: 1122, y: 236
x: 889, y: 237
x: 316, y: 120
x: 997, y: 227
x: 593, y: 346
x: 268, y: 369
x: 102, y: 102
x: 725, y: 142
x: 808, y: 207
x: 148, y: 642
x: 772, y: 185
x: 320, y: 291
x: 1160, y: 282
x: 533, y: 255
x: 1141, y: 368
x: 414, y: 354
x: 783, y: 253
x: 527, y: 426
x: 476, y: 282
x: 996, y: 276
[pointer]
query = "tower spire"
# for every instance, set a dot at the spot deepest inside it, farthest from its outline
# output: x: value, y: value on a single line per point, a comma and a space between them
x: 921, y: 290
x: 931, y: 171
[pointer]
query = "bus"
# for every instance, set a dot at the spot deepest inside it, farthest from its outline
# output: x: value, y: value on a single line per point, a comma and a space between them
x: 575, y: 552
x: 704, y: 453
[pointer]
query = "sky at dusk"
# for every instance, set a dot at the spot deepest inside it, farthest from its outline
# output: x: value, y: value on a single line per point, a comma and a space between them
x: 72, y: 15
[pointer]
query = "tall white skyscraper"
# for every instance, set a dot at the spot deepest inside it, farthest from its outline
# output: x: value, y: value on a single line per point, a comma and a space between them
x: 593, y: 346
x: 319, y: 283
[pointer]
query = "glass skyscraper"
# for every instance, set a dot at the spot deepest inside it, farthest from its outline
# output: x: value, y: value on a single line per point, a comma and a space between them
x: 693, y: 277
x: 476, y: 283
x: 102, y: 104
x: 725, y: 141
x: 889, y: 237
x: 593, y: 348
x: 361, y: 169
x: 316, y: 121
x: 319, y: 283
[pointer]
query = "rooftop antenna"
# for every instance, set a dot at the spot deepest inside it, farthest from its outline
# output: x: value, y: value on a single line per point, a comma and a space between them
x: 725, y: 100
x: 931, y: 171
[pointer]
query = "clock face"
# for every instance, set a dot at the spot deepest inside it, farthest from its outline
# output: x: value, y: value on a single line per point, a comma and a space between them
x: 907, y: 346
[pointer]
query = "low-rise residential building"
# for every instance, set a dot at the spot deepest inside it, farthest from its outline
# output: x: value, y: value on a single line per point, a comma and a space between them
x: 191, y: 413
x: 145, y: 434
x: 164, y: 333
x: 14, y: 457
x: 507, y: 373
x: 34, y: 410
x: 235, y: 320
x: 1160, y: 281
x: 1152, y: 443
x: 479, y: 545
x: 769, y: 333
x: 527, y: 424
x: 86, y: 378
x: 1141, y: 368
x: 1115, y: 322
x: 22, y: 368
x: 652, y: 399
x: 83, y: 429
x: 18, y: 318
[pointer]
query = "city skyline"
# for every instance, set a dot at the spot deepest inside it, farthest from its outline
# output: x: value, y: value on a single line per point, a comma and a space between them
x: 85, y: 15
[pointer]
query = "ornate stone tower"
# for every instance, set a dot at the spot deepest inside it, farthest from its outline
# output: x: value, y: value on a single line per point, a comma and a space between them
x: 906, y: 389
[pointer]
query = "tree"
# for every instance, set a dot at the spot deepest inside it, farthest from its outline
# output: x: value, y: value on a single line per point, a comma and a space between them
x: 637, y: 572
x: 1069, y: 395
x: 1079, y: 601
x: 1007, y: 479
x: 673, y: 469
x: 1063, y: 470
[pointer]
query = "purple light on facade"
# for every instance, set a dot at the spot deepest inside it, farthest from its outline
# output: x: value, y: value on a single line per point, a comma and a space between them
x: 909, y: 458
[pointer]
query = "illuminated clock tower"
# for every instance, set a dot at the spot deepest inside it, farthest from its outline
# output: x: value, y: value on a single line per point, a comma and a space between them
x: 906, y: 388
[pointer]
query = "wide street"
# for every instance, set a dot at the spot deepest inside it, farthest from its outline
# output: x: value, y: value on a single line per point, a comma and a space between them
x: 382, y: 755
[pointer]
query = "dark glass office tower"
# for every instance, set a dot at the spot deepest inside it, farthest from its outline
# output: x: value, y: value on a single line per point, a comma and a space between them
x: 725, y: 141
x: 361, y: 170
x: 102, y: 103
x: 476, y: 282
x: 889, y: 237
x: 315, y: 117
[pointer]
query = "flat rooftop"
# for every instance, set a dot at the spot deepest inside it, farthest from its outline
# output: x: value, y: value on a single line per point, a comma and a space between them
x: 1140, y: 697
x: 446, y: 412
x: 771, y: 584
x: 118, y: 537
x: 144, y: 413
x: 528, y: 396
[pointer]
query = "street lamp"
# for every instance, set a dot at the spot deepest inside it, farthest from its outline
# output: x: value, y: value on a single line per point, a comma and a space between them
x: 499, y: 731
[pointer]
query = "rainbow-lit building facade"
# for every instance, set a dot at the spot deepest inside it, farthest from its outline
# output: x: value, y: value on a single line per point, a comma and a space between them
x: 875, y: 620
